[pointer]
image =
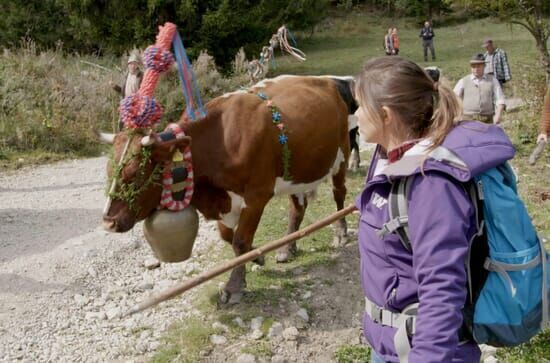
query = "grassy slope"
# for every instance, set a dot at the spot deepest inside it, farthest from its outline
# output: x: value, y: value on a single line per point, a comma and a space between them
x: 341, y: 49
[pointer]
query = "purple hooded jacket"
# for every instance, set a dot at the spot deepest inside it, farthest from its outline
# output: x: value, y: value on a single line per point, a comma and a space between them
x: 441, y: 224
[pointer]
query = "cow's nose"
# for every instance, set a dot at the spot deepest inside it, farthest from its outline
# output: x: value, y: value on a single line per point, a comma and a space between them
x: 109, y: 224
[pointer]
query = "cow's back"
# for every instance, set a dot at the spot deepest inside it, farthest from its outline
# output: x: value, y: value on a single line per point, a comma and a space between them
x: 240, y: 145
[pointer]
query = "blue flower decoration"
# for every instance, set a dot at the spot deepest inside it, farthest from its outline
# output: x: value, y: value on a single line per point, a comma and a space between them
x: 283, y: 139
x: 276, y: 116
x: 262, y: 95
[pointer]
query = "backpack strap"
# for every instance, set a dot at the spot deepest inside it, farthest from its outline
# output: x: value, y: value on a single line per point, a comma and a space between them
x: 398, y: 211
x: 545, y: 272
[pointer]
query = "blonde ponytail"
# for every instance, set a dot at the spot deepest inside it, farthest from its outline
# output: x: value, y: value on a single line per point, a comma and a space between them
x: 446, y: 114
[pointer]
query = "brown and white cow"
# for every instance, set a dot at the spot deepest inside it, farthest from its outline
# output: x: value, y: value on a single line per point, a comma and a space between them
x: 238, y: 161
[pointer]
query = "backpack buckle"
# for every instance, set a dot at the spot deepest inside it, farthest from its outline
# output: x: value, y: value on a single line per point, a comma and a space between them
x: 392, y: 225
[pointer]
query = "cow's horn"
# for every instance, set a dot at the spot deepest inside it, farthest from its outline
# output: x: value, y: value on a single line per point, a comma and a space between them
x: 106, y: 138
x: 148, y: 140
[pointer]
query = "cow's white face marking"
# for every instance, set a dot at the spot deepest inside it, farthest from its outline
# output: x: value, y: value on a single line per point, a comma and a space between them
x: 231, y: 219
x: 287, y: 187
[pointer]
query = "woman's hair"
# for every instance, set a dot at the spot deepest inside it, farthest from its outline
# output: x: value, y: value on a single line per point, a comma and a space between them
x: 424, y: 107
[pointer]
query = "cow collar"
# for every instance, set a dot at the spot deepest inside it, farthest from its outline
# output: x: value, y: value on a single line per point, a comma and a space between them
x: 167, y: 200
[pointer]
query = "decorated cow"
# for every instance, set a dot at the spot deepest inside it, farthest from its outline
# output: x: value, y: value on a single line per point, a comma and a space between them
x: 283, y: 136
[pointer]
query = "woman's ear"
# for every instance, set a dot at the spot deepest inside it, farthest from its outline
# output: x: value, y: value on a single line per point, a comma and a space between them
x: 387, y: 115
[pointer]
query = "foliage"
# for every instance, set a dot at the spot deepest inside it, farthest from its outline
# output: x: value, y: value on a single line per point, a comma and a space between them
x: 528, y: 13
x: 352, y: 354
x: 129, y: 192
x: 220, y: 26
x: 38, y: 19
x: 52, y: 103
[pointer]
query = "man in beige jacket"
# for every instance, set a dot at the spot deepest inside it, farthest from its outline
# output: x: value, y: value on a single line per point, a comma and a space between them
x: 481, y: 94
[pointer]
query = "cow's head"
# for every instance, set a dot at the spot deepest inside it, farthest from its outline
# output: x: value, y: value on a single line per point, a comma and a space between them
x: 134, y: 176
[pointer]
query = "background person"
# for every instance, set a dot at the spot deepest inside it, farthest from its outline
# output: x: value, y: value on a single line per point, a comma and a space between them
x: 388, y: 42
x: 481, y: 94
x: 395, y: 41
x: 132, y: 80
x: 427, y: 34
x: 545, y: 118
x: 408, y: 115
x: 496, y: 62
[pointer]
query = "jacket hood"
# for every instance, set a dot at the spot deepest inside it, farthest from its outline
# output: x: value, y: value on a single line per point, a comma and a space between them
x: 469, y: 149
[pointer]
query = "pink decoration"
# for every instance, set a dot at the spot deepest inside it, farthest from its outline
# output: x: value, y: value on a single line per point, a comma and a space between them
x: 141, y: 109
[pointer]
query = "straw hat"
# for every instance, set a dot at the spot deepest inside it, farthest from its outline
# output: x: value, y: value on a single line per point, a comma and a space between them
x: 133, y: 58
x: 477, y: 59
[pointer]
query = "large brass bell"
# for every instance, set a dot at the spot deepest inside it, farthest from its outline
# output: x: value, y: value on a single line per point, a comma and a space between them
x: 171, y: 235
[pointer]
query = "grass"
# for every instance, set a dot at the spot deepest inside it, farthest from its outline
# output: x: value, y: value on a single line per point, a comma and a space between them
x: 341, y: 48
x: 352, y: 354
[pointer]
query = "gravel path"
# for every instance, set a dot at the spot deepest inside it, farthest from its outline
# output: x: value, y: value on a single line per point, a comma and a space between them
x: 64, y: 283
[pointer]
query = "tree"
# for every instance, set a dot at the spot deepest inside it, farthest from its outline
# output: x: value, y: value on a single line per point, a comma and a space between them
x: 99, y: 26
x: 528, y: 13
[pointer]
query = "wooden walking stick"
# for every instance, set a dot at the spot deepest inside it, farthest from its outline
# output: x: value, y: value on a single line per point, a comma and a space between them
x: 237, y: 261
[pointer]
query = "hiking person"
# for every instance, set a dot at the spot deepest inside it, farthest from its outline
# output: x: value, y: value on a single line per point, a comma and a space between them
x: 413, y: 121
x: 427, y: 34
x: 545, y: 118
x: 542, y: 138
x: 395, y: 41
x: 496, y: 62
x: 132, y: 80
x: 388, y: 42
x: 481, y: 94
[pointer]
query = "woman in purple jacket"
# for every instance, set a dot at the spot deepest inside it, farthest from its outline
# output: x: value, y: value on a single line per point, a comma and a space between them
x: 414, y: 297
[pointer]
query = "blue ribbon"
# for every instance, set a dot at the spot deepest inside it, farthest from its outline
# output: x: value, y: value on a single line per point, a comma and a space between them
x: 190, y: 89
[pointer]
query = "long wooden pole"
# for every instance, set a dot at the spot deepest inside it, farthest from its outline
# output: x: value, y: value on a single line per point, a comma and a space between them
x: 237, y: 261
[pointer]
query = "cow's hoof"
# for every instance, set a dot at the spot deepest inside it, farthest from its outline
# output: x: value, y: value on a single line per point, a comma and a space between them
x: 260, y: 261
x: 282, y: 256
x: 227, y: 298
x: 339, y: 241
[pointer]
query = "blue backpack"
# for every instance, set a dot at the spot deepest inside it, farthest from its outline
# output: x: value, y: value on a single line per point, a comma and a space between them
x: 508, y: 280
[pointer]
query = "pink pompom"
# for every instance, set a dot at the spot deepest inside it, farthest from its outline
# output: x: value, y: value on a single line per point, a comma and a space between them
x: 157, y: 59
x: 138, y: 111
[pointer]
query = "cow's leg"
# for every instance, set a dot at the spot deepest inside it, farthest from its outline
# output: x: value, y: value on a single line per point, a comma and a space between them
x: 297, y: 209
x: 354, y: 147
x: 227, y: 234
x: 339, y: 193
x: 242, y: 243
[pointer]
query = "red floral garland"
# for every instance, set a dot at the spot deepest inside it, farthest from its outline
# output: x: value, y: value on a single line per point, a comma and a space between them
x: 166, y: 199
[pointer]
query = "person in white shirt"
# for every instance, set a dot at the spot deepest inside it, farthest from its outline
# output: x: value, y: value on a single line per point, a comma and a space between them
x: 481, y: 94
x: 132, y: 80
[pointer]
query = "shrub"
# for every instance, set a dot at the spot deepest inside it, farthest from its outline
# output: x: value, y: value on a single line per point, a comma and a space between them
x: 53, y: 103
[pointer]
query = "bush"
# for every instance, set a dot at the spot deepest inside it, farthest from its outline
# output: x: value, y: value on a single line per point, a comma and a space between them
x: 53, y: 103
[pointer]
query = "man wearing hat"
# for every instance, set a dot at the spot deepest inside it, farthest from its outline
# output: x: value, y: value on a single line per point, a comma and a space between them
x: 481, y: 94
x: 132, y: 79
x: 497, y: 62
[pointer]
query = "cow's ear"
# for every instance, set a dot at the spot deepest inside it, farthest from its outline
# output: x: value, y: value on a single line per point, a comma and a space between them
x: 163, y: 150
